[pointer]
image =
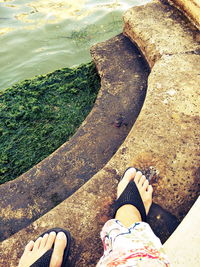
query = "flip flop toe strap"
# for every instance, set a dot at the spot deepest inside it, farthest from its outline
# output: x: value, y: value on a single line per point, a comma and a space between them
x: 43, y: 261
x: 131, y: 195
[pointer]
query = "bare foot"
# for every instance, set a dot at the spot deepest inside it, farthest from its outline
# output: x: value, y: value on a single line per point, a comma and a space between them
x: 34, y: 250
x: 128, y: 214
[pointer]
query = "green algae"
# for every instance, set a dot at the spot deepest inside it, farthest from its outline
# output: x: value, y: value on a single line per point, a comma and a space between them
x: 92, y: 31
x: 40, y: 114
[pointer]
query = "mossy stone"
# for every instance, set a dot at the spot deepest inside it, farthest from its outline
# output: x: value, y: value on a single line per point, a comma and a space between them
x: 40, y: 114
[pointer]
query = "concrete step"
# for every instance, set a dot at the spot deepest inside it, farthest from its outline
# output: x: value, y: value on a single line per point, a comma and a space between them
x: 166, y: 131
x: 183, y: 245
x: 122, y: 93
x: 164, y: 141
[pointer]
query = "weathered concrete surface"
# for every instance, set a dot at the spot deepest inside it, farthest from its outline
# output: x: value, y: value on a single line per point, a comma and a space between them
x: 171, y: 109
x: 164, y: 142
x: 183, y: 246
x: 165, y: 136
x: 83, y: 214
x: 160, y: 29
x: 123, y: 88
x: 190, y: 8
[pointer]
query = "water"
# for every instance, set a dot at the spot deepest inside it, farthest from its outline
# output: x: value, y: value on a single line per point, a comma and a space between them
x: 39, y: 36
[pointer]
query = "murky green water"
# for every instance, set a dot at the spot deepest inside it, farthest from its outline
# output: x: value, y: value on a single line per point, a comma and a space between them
x: 39, y: 36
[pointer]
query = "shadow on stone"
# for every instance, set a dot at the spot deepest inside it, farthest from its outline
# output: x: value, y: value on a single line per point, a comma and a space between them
x: 162, y: 222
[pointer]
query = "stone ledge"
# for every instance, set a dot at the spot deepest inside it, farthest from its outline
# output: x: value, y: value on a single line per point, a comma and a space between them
x: 69, y: 167
x: 159, y: 29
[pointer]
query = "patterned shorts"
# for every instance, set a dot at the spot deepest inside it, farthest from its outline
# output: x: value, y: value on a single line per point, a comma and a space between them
x: 133, y: 246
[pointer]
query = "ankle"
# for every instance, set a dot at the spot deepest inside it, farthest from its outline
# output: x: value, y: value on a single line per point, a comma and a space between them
x: 127, y: 215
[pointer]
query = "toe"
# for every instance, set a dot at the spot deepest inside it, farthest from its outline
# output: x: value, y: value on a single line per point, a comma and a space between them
x: 50, y: 240
x: 44, y: 240
x: 29, y: 246
x: 129, y: 174
x: 137, y: 177
x: 142, y: 180
x: 37, y: 243
x: 145, y: 185
x: 150, y: 189
x: 58, y: 251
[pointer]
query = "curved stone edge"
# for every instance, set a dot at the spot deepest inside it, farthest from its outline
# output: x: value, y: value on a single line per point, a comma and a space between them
x: 167, y: 40
x: 164, y: 139
x: 143, y: 24
x: 190, y: 8
x: 156, y: 142
x: 116, y: 108
x: 182, y: 247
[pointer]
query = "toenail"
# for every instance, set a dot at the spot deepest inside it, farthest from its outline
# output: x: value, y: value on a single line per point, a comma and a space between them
x: 61, y: 235
x: 45, y: 235
x: 131, y: 170
x: 52, y: 233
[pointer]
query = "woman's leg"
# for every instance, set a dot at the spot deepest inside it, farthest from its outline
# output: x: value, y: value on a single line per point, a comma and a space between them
x: 128, y: 214
x: 127, y: 240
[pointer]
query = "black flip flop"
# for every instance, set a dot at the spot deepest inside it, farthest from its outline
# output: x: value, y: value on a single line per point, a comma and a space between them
x: 44, y: 261
x: 131, y: 195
